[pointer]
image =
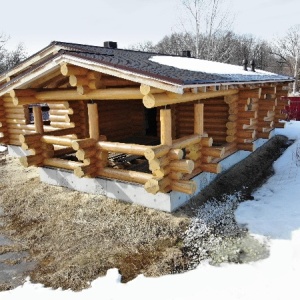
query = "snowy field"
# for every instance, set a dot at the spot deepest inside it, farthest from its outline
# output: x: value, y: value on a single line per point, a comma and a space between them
x: 274, y: 216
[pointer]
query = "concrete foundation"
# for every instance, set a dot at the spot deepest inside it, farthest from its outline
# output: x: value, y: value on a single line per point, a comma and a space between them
x: 16, y: 151
x: 135, y: 193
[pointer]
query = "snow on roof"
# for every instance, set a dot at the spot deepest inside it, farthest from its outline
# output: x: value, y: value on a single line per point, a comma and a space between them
x: 205, y: 66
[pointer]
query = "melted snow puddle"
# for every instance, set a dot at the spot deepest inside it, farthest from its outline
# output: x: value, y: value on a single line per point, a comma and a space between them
x: 13, y: 265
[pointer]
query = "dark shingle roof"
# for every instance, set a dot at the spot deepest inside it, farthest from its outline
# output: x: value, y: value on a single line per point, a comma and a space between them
x: 138, y: 62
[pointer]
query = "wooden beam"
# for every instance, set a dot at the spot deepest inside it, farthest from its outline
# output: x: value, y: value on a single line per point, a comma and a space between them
x: 93, y: 121
x: 38, y: 119
x: 166, y: 127
x: 198, y: 119
x: 163, y: 99
x: 99, y: 94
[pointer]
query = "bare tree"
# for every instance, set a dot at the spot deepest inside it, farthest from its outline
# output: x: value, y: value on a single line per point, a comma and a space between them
x: 10, y: 58
x: 287, y: 49
x: 206, y: 20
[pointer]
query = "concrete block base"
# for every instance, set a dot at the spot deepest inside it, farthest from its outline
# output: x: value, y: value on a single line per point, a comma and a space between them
x: 16, y: 151
x: 135, y: 193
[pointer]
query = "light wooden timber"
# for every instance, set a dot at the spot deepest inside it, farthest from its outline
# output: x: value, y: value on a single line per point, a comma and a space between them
x: 133, y: 149
x: 49, y: 139
x: 63, y: 125
x: 146, y: 89
x: 184, y: 186
x: 31, y: 160
x: 183, y: 166
x: 158, y: 163
x: 93, y: 121
x: 125, y: 175
x: 86, y: 171
x: 99, y: 94
x: 38, y: 119
x: 68, y: 70
x: 78, y: 81
x: 84, y: 143
x: 255, y: 93
x: 175, y: 154
x: 156, y: 151
x: 62, y: 163
x: 156, y: 100
x: 82, y: 154
x: 198, y: 119
x: 166, y: 127
x: 153, y: 186
x: 59, y: 105
x: 211, y: 168
x: 206, y: 141
x: 246, y: 147
x: 186, y: 141
x: 213, y: 151
x: 22, y: 93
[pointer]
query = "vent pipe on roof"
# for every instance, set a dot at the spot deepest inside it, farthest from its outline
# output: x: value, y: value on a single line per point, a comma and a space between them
x: 245, y: 64
x: 186, y: 53
x: 110, y: 44
x: 252, y: 63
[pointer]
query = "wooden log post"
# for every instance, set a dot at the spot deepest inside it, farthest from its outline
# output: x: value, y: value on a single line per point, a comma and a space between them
x: 93, y: 121
x: 38, y: 119
x: 198, y: 119
x: 166, y: 127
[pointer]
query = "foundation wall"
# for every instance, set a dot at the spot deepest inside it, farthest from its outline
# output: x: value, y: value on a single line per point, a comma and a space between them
x: 135, y: 193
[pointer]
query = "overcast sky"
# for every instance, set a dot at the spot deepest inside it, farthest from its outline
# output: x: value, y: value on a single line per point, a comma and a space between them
x: 37, y: 23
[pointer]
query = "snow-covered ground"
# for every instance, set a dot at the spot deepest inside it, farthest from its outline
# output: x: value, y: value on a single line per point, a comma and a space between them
x: 274, y: 216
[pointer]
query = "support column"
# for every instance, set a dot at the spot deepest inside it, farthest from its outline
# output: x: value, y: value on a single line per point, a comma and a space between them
x: 166, y: 127
x: 198, y: 118
x: 38, y: 119
x: 93, y: 121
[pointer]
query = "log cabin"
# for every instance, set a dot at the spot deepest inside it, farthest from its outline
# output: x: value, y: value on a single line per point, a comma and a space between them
x: 141, y: 127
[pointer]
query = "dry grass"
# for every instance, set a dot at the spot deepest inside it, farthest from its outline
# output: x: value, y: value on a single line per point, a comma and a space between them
x: 76, y: 237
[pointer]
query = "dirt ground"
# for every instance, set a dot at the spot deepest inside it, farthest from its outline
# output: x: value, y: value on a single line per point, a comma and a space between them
x: 75, y: 237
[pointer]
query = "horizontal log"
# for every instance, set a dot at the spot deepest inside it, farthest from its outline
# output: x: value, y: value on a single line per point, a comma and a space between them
x: 186, y: 141
x: 99, y: 94
x: 255, y: 93
x: 63, y: 124
x: 279, y: 125
x: 230, y: 139
x: 206, y: 141
x: 194, y: 155
x: 133, y: 149
x: 215, y: 168
x: 125, y: 175
x: 62, y: 163
x: 30, y: 138
x: 153, y: 185
x: 156, y: 151
x: 59, y: 105
x: 185, y: 166
x: 151, y: 101
x: 175, y: 154
x: 49, y: 139
x: 84, y: 143
x: 247, y: 147
x: 59, y: 112
x: 246, y: 134
x: 184, y: 186
x: 158, y: 163
x: 68, y: 70
x: 31, y: 160
x: 86, y: 171
x: 146, y: 89
x: 213, y: 151
x: 82, y: 154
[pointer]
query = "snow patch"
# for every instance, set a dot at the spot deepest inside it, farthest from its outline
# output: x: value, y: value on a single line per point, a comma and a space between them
x: 205, y: 66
